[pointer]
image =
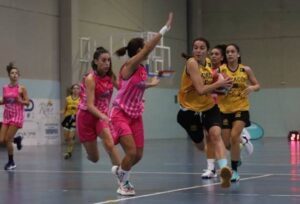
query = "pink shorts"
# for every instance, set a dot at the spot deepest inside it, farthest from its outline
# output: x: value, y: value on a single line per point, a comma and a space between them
x: 88, y: 126
x: 123, y: 125
x: 15, y: 119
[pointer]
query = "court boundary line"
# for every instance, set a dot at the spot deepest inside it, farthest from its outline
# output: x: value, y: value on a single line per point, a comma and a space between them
x: 138, y: 172
x: 176, y: 190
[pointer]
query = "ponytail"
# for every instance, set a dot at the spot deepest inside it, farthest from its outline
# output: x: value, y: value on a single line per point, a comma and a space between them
x: 121, y: 52
x: 186, y: 56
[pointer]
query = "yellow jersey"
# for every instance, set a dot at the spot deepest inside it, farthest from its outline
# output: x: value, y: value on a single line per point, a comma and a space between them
x: 188, y: 97
x: 71, y: 106
x: 233, y: 101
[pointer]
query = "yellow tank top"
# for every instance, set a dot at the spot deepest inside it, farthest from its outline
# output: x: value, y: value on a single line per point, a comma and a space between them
x: 71, y: 106
x: 188, y: 96
x: 233, y: 101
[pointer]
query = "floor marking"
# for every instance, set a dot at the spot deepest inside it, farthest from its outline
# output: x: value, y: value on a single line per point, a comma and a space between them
x: 275, y: 195
x: 141, y: 172
x: 177, y: 190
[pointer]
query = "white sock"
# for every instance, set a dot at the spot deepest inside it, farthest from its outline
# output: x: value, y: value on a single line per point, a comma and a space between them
x: 125, y: 174
x: 211, y: 164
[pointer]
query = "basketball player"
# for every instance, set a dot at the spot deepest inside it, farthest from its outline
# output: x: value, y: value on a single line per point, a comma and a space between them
x: 69, y: 121
x: 14, y: 98
x: 235, y: 105
x: 92, y: 119
x: 198, y: 110
x: 217, y: 57
x: 128, y: 106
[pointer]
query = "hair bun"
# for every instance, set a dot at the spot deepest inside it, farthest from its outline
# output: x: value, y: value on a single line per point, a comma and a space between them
x: 10, y: 66
x: 100, y: 48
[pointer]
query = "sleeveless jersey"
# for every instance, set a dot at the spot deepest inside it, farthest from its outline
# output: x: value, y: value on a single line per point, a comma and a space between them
x: 131, y: 92
x: 71, y: 106
x: 13, y: 109
x: 188, y: 97
x: 103, y: 93
x: 233, y: 101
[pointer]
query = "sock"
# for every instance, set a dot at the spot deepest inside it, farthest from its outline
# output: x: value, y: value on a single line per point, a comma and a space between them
x: 211, y: 164
x: 70, y: 147
x: 11, y: 158
x: 234, y: 165
x: 222, y: 163
x: 125, y: 175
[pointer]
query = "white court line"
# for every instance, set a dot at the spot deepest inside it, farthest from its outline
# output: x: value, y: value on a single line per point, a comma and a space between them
x: 139, y: 172
x: 250, y: 194
x: 244, y: 164
x: 274, y: 195
x: 177, y: 190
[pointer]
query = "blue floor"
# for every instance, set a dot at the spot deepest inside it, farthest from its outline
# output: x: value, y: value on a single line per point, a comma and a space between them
x: 170, y: 172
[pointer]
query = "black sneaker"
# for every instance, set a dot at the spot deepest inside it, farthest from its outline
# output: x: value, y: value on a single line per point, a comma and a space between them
x: 10, y: 166
x: 67, y: 155
x: 18, y: 142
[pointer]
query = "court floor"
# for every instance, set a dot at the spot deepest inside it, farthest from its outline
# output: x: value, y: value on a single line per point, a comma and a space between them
x: 170, y: 172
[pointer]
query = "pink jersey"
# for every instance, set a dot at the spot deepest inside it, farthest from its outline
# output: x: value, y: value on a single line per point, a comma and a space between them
x: 13, y: 109
x: 130, y: 95
x: 103, y: 92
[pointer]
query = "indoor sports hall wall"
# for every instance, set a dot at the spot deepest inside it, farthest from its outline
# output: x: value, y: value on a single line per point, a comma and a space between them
x: 100, y: 19
x: 268, y: 33
x: 29, y: 36
x: 42, y: 37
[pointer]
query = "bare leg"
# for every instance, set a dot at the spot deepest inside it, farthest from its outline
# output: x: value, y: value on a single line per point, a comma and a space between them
x: 10, y: 134
x: 139, y: 155
x: 109, y: 146
x: 236, y: 131
x: 92, y: 150
x: 226, y: 138
x: 128, y: 145
x: 3, y: 133
x: 216, y: 140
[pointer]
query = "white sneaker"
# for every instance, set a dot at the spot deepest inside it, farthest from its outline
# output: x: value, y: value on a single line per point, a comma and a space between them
x: 245, y: 138
x: 208, y: 174
x: 126, y: 189
x: 247, y: 145
x: 225, y: 175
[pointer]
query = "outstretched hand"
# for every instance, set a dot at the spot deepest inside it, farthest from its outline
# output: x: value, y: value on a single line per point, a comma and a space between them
x: 169, y: 21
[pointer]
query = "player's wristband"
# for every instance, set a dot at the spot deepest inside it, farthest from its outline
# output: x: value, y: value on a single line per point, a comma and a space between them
x: 164, y: 29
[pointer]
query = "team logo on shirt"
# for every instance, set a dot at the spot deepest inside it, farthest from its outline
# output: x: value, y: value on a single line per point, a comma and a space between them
x: 10, y: 99
x: 238, y: 114
x: 225, y: 122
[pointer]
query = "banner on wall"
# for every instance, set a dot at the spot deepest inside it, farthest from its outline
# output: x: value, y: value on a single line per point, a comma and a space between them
x: 41, y: 122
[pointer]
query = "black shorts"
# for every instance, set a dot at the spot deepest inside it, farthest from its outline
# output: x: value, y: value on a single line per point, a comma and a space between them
x: 229, y: 118
x: 69, y: 122
x: 194, y: 122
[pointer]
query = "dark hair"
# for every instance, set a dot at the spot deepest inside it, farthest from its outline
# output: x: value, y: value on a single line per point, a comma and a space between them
x: 238, y: 50
x: 222, y: 49
x: 10, y: 67
x: 70, y: 90
x: 99, y: 51
x: 186, y: 56
x: 202, y: 40
x: 132, y: 47
x: 73, y: 85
